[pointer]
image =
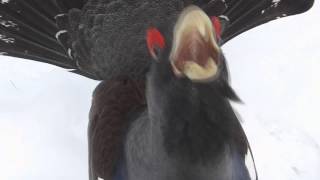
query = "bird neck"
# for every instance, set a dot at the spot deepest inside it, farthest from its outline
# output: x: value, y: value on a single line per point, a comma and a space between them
x: 196, y: 120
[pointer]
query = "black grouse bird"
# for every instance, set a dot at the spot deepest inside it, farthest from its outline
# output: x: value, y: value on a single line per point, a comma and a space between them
x: 162, y: 110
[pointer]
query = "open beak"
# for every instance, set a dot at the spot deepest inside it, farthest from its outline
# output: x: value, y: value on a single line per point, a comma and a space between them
x: 195, y: 52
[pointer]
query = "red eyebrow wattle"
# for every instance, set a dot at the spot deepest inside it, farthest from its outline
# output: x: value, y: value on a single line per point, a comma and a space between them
x: 155, y: 38
x: 217, y: 25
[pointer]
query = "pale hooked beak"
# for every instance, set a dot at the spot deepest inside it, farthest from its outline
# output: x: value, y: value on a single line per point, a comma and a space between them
x: 195, y: 52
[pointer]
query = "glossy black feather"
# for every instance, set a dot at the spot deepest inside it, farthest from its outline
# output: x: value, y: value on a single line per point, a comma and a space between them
x: 28, y: 30
x: 98, y: 31
x: 189, y: 130
x: 105, y: 39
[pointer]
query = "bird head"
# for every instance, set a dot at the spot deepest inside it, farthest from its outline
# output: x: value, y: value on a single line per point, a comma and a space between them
x: 191, y: 51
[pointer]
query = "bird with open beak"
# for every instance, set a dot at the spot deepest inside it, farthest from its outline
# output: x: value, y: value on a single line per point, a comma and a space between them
x: 189, y: 130
x: 162, y: 110
x: 195, y: 52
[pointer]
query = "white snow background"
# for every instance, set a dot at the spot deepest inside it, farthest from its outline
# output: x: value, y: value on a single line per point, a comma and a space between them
x: 275, y: 69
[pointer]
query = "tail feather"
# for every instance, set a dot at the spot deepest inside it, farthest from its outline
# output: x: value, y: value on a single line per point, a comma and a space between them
x: 29, y: 30
x: 243, y: 15
x: 40, y: 29
x: 65, y: 5
x: 25, y: 40
x: 28, y: 13
x: 24, y: 48
x: 62, y: 20
x: 248, y: 14
x: 22, y: 30
x: 49, y: 8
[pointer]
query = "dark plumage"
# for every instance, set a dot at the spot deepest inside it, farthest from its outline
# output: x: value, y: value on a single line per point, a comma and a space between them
x: 189, y: 130
x: 99, y: 30
x: 105, y: 40
x: 115, y: 105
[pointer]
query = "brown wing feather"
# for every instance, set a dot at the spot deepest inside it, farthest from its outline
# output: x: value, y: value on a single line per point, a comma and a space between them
x: 112, y: 102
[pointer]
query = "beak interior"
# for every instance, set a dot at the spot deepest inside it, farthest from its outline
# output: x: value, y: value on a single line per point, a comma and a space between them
x: 195, y: 52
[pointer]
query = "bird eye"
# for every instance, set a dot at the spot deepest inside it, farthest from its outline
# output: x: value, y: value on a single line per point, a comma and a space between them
x: 155, y: 42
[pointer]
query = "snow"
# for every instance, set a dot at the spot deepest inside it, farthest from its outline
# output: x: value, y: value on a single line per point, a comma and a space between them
x: 4, y: 1
x: 44, y: 109
x: 279, y: 82
x: 43, y: 121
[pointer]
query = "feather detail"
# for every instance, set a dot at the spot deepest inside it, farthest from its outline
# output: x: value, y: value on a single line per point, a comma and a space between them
x: 28, y: 29
x: 247, y: 14
x: 114, y: 105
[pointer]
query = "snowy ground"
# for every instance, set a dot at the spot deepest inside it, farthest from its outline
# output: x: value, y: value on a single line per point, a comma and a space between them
x: 274, y: 69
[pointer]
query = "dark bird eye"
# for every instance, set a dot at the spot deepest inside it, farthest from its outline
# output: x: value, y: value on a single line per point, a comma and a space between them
x: 155, y: 42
